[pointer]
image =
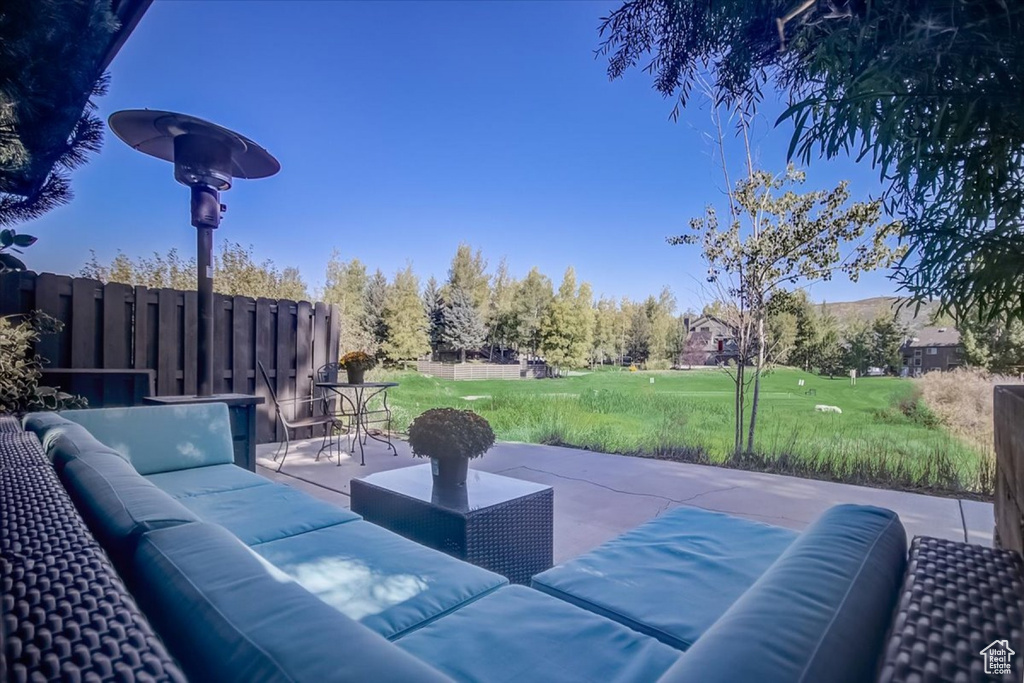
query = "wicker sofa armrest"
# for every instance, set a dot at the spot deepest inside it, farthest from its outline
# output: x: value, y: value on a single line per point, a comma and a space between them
x: 956, y: 600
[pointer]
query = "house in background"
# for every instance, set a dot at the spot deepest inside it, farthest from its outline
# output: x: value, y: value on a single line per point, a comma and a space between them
x: 710, y: 341
x: 931, y: 348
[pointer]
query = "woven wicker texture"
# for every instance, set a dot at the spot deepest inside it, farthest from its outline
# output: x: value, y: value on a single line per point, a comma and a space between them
x: 66, y: 613
x: 20, y: 449
x: 956, y: 600
x: 9, y: 423
x: 514, y: 538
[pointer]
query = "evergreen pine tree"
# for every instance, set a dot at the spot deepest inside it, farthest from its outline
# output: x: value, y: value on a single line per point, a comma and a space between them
x: 463, y: 328
x: 433, y: 306
x: 373, y: 319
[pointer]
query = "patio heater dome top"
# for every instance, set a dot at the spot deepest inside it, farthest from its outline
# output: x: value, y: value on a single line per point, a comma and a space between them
x: 203, y: 153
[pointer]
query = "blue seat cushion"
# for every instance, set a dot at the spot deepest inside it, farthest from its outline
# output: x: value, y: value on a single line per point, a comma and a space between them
x: 162, y: 438
x: 205, y: 480
x: 672, y: 577
x: 519, y: 634
x: 388, y: 583
x: 117, y: 503
x: 820, y: 612
x: 258, y: 514
x: 228, y: 616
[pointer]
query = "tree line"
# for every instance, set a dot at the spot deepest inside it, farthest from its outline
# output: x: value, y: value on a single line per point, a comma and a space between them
x: 475, y: 310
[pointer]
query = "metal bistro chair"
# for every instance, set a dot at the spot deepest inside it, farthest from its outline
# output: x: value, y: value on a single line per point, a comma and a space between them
x: 289, y: 414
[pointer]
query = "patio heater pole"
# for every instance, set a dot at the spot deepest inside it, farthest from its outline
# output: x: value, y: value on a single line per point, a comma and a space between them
x: 204, y: 286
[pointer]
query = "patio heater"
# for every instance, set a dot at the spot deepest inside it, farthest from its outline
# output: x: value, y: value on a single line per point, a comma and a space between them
x: 206, y: 158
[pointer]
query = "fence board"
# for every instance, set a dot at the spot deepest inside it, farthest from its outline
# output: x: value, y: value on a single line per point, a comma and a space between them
x: 84, y: 323
x: 223, y: 316
x: 47, y: 300
x: 189, y: 351
x: 117, y: 342
x: 139, y: 359
x: 284, y: 361
x: 265, y: 344
x: 115, y: 326
x: 166, y: 344
x: 303, y: 352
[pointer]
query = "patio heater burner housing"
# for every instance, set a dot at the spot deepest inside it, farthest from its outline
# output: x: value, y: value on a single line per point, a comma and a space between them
x: 206, y: 158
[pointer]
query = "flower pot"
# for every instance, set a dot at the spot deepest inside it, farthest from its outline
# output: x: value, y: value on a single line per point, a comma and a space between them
x: 449, y: 472
x: 355, y: 375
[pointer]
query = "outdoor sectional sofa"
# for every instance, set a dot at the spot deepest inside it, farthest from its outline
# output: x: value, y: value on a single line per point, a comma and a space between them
x: 247, y: 580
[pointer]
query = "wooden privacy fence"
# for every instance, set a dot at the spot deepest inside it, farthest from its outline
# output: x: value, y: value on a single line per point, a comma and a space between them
x: 116, y: 326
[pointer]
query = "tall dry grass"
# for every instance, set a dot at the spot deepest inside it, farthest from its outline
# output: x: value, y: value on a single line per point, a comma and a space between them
x: 962, y: 400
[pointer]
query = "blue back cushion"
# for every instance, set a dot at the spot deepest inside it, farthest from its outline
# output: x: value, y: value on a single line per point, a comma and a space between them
x: 163, y: 438
x: 229, y: 616
x: 820, y: 613
x: 118, y: 503
x: 62, y: 439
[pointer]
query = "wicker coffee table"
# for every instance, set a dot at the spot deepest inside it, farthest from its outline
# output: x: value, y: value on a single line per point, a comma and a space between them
x: 502, y: 524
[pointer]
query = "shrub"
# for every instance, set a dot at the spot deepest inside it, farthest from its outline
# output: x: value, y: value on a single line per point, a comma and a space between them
x: 908, y: 407
x: 20, y: 369
x: 450, y: 433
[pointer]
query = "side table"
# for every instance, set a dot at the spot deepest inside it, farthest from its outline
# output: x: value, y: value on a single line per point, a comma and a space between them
x: 502, y: 524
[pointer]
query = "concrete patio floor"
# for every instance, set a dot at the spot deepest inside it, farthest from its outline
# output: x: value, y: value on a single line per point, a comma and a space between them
x: 598, y: 496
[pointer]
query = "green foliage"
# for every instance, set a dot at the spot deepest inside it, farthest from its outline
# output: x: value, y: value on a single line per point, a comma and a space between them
x: 567, y: 326
x: 373, y: 318
x: 686, y: 416
x: 235, y: 273
x: 908, y: 406
x: 50, y: 53
x: 11, y: 241
x: 433, y: 306
x: 501, y: 323
x: 450, y: 433
x: 345, y: 286
x: 532, y: 297
x: 468, y: 272
x: 463, y: 329
x: 20, y: 368
x: 405, y: 319
x: 994, y: 345
x: 930, y: 93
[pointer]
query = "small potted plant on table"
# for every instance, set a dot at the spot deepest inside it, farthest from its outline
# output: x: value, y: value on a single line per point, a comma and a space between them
x: 450, y: 438
x: 356, y: 363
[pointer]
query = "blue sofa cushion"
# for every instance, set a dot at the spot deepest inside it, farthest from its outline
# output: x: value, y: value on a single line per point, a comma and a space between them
x: 519, y: 634
x: 228, y: 616
x: 672, y: 577
x: 118, y: 504
x: 62, y: 439
x: 820, y: 613
x: 163, y: 438
x: 388, y: 583
x: 258, y: 514
x: 202, y: 481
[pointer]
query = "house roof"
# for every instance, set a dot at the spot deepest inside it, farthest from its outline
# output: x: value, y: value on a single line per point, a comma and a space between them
x: 53, y: 119
x: 934, y: 336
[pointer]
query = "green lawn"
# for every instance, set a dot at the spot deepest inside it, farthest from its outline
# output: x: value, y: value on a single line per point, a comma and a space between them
x: 688, y: 415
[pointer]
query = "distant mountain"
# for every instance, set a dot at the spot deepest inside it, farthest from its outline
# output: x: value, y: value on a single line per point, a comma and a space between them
x: 868, y: 309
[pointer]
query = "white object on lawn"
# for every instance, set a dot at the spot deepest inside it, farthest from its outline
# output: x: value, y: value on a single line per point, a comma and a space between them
x: 828, y: 409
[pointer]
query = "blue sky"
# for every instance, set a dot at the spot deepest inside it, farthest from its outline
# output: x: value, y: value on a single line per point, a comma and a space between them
x: 404, y: 128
